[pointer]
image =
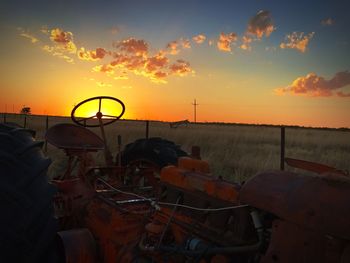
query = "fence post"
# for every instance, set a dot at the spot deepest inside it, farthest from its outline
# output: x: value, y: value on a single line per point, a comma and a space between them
x: 283, y: 137
x: 4, y: 117
x: 25, y: 121
x: 46, y: 128
x: 119, y: 161
x: 147, y: 129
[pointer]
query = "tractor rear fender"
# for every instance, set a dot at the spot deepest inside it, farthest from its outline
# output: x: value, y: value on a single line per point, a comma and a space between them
x: 318, y: 203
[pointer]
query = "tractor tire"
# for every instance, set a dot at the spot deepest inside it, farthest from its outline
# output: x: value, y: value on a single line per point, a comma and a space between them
x: 159, y: 151
x: 27, y: 224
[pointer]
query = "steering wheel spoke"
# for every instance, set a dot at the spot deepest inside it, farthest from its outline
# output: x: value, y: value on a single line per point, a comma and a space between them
x: 112, y: 118
x: 85, y: 118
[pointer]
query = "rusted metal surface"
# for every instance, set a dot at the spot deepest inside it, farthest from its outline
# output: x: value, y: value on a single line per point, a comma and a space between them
x: 69, y: 136
x: 117, y: 227
x: 72, y: 195
x: 191, y: 181
x: 316, y: 203
x: 314, y: 167
x: 294, y: 244
x: 194, y: 165
x: 78, y: 246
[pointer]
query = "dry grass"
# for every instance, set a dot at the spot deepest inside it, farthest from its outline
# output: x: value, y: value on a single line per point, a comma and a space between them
x: 234, y: 152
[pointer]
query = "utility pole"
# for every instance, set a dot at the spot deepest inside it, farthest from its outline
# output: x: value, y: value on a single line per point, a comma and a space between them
x: 195, y: 110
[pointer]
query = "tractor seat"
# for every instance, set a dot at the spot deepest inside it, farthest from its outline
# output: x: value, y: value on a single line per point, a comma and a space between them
x: 72, y: 137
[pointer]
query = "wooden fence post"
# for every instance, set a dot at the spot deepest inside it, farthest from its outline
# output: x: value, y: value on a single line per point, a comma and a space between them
x: 147, y: 129
x: 4, y: 117
x: 283, y: 137
x: 25, y: 121
x: 46, y: 128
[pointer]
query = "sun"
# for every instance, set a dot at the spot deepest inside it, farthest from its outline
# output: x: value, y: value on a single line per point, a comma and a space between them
x: 108, y: 108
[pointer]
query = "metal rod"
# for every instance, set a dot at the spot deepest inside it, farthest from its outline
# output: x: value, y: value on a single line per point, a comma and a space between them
x: 283, y: 137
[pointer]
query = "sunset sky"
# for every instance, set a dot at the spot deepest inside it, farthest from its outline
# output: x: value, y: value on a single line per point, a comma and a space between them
x: 272, y: 62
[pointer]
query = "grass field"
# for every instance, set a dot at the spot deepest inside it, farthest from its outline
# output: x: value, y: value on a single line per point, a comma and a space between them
x: 235, y: 152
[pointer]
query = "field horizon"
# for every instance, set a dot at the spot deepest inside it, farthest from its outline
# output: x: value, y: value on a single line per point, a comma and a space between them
x: 2, y: 114
x: 235, y: 152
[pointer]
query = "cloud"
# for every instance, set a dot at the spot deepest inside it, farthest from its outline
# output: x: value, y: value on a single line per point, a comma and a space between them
x: 63, y: 39
x: 105, y: 68
x: 185, y: 43
x: 261, y: 24
x: 133, y: 46
x: 130, y: 55
x: 103, y: 84
x: 180, y: 68
x: 93, y: 55
x: 317, y: 86
x: 297, y: 41
x: 199, y: 39
x: 173, y: 47
x: 25, y: 34
x: 327, y: 22
x: 45, y: 30
x: 225, y: 40
x: 156, y: 62
x: 57, y: 53
x: 32, y: 38
x: 246, y: 41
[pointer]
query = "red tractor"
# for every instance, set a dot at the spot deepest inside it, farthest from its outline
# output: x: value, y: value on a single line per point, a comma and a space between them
x: 155, y: 203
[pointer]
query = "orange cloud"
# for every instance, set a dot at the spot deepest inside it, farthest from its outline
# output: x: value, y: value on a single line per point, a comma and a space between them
x: 156, y: 62
x: 173, y: 47
x: 316, y: 86
x: 225, y: 40
x: 199, y: 39
x: 133, y: 46
x: 63, y: 39
x: 92, y: 55
x: 246, y: 40
x: 261, y: 24
x: 297, y: 41
x: 180, y: 68
x: 185, y: 43
x: 327, y: 22
x: 106, y: 68
x: 130, y: 55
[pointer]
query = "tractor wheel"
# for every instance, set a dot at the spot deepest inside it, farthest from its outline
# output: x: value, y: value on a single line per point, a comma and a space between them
x: 157, y: 150
x: 27, y: 224
x: 144, y: 159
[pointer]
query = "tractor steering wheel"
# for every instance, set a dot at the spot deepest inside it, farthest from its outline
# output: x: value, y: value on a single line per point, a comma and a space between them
x: 111, y: 118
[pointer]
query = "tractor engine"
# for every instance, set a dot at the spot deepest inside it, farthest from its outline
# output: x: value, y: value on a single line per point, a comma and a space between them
x: 193, y: 216
x: 199, y: 217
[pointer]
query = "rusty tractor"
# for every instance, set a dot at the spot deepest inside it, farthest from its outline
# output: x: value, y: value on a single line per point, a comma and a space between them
x: 155, y: 203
